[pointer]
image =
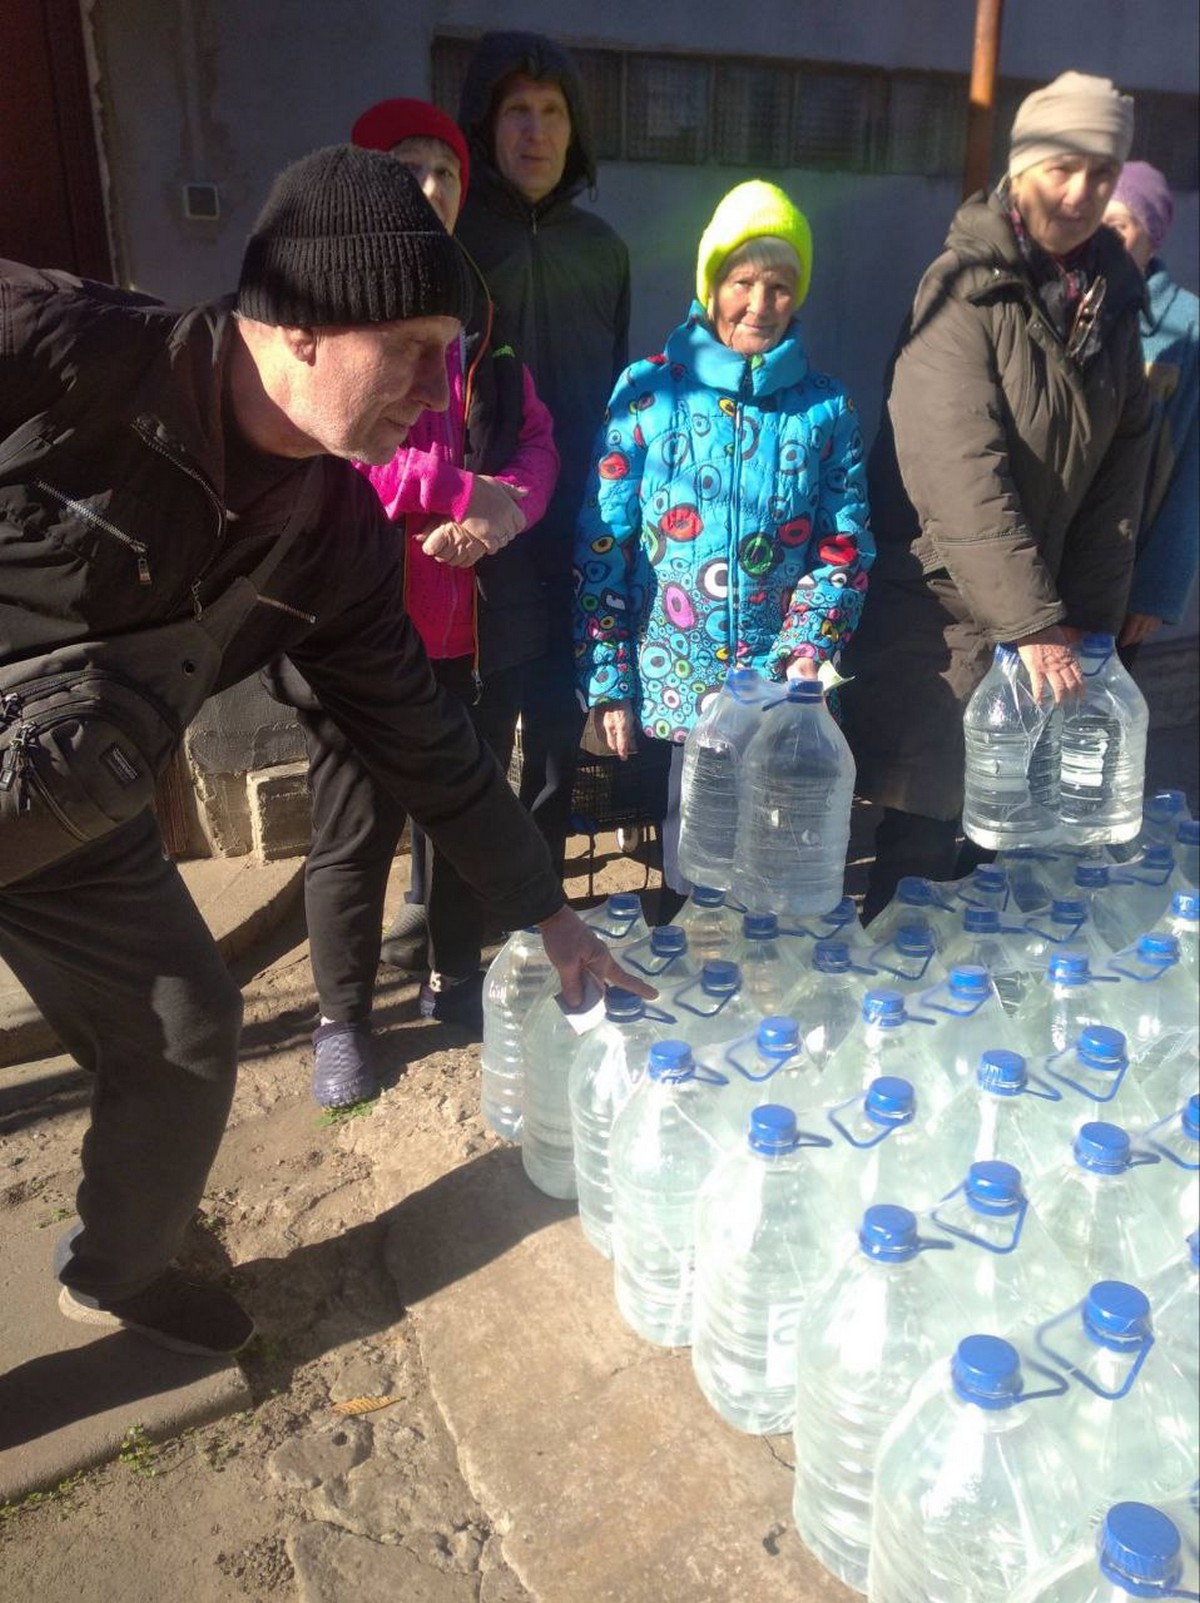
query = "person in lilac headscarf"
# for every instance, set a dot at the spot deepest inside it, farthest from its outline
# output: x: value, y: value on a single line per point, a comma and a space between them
x: 1141, y: 210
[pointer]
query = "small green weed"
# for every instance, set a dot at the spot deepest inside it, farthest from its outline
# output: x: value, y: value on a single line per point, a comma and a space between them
x: 54, y: 1494
x: 356, y: 1110
x: 137, y: 1452
x: 55, y: 1216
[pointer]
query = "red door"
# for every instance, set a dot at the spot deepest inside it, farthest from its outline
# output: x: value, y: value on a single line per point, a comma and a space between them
x: 51, y: 203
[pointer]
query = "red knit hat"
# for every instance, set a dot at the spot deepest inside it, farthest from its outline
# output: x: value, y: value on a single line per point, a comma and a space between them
x: 388, y: 122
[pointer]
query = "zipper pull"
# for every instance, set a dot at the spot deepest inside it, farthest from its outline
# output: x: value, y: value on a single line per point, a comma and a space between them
x: 13, y: 766
x: 197, y: 609
x: 143, y: 568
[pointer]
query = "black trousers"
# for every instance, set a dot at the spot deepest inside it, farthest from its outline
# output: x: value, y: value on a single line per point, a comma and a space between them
x: 909, y: 844
x: 112, y: 949
x: 356, y: 828
x: 551, y: 725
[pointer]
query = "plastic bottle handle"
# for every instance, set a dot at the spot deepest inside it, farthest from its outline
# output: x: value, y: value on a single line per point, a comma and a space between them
x: 1022, y: 1211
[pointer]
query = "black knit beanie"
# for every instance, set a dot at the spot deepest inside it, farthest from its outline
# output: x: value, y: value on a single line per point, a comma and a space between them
x: 347, y: 238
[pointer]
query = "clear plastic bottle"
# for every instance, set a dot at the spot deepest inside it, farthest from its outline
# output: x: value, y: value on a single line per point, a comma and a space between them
x: 1174, y: 1181
x: 1007, y: 1114
x: 1162, y: 814
x: 664, y: 1142
x: 970, y: 1019
x: 1064, y: 926
x: 1032, y: 876
x: 921, y: 902
x: 1064, y: 1001
x: 767, y: 1065
x: 1175, y: 1079
x: 985, y: 886
x: 1138, y: 1554
x: 1182, y: 920
x: 619, y: 921
x: 907, y: 961
x: 1155, y: 1000
x: 974, y: 1490
x: 662, y: 957
x: 518, y: 976
x: 794, y: 815
x: 711, y: 927
x: 1174, y: 1294
x: 712, y: 758
x: 1104, y: 900
x: 1006, y: 1266
x: 547, y: 1148
x: 888, y: 1039
x: 983, y: 939
x: 1145, y: 887
x: 865, y: 1337
x: 770, y: 971
x: 1011, y: 782
x: 1095, y: 1081
x: 828, y: 999
x: 1187, y: 851
x: 879, y: 1152
x: 606, y: 1066
x: 711, y: 1008
x: 1099, y: 1210
x: 1103, y: 750
x: 1128, y: 1413
x: 757, y: 1245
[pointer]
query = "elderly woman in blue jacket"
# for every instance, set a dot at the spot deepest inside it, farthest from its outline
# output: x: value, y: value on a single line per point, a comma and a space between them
x: 726, y: 521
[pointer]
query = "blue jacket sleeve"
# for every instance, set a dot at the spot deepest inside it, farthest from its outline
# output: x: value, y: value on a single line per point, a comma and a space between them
x: 1165, y: 569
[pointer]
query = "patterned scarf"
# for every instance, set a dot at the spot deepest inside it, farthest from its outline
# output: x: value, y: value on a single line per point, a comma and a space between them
x: 1070, y: 289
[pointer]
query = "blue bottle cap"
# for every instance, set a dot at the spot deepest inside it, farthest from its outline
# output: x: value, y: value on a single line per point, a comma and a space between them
x: 1190, y: 1119
x: 843, y: 913
x: 1097, y: 645
x: 914, y: 939
x: 804, y: 690
x: 1001, y: 1072
x: 883, y: 1007
x: 744, y: 683
x: 914, y: 891
x: 668, y: 940
x: 1158, y: 856
x: 773, y: 1129
x: 981, y: 921
x: 707, y: 896
x: 1188, y: 833
x: 986, y: 1371
x: 624, y: 905
x: 671, y: 1060
x: 1193, y: 1247
x: 1161, y: 950
x: 1140, y: 1550
x: 1186, y: 904
x: 1005, y: 654
x: 1116, y: 1315
x: 969, y: 980
x: 890, y: 1100
x: 1165, y: 804
x: 778, y: 1036
x: 1102, y: 1148
x: 1091, y: 876
x: 720, y: 977
x: 760, y: 926
x: 1068, y: 968
x: 1067, y: 910
x: 622, y: 1006
x: 993, y: 1188
x: 989, y: 877
x: 1101, y: 1048
x: 889, y: 1234
x: 831, y: 957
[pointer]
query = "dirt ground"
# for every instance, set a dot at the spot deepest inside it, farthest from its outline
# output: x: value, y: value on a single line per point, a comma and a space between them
x: 292, y: 1216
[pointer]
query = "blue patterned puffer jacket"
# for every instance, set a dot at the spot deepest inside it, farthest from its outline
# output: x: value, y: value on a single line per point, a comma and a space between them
x: 725, y: 525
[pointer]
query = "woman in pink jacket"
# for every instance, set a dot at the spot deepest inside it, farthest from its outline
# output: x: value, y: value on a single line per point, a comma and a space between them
x: 462, y: 490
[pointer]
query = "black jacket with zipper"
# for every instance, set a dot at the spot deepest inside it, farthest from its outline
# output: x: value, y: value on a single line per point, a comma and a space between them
x: 112, y: 519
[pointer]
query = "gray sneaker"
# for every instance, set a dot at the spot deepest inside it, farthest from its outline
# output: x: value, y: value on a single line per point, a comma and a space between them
x: 342, y: 1069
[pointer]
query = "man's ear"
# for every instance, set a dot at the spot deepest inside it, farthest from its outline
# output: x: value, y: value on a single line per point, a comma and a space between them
x: 301, y: 343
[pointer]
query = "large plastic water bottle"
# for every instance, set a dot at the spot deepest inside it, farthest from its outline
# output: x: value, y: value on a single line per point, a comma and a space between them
x: 918, y: 901
x: 1146, y: 885
x: 907, y: 961
x: 985, y: 886
x: 794, y: 817
x: 1006, y: 1267
x: 1187, y: 851
x: 712, y: 759
x: 840, y: 923
x: 828, y: 999
x: 974, y: 1490
x: 1182, y: 920
x: 997, y: 947
x: 770, y: 971
x: 516, y: 979
x: 888, y: 1040
x: 768, y: 1065
x: 865, y: 1337
x: 1063, y: 1002
x: 758, y: 1239
x: 1008, y: 1113
x: 1139, y: 1553
x: 1128, y: 1412
x: 712, y: 1007
x: 662, y: 957
x: 1105, y: 900
x: 1011, y: 782
x: 1174, y: 1181
x: 1162, y: 814
x: 879, y: 1152
x: 619, y: 921
x: 606, y: 1066
x: 1064, y: 926
x: 970, y: 1020
x: 1174, y: 1294
x: 1103, y: 750
x: 547, y: 1147
x: 664, y: 1142
x: 712, y: 928
x: 1099, y: 1210
x: 1095, y: 1081
x: 1176, y: 1079
x: 1156, y: 998
x: 1033, y: 873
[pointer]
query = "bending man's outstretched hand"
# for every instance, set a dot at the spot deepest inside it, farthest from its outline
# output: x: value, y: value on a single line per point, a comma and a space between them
x: 576, y: 951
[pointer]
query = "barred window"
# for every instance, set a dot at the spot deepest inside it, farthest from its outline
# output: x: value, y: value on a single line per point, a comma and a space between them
x: 752, y: 115
x: 667, y: 109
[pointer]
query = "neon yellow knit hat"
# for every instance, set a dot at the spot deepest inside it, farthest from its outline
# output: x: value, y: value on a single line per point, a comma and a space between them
x: 750, y: 211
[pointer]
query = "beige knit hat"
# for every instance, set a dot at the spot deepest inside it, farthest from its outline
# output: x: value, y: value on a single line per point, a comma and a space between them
x: 1076, y: 115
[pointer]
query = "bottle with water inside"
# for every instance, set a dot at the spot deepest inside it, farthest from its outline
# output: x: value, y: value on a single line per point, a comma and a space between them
x: 518, y: 976
x: 1139, y: 1553
x: 1103, y: 750
x: 1011, y: 782
x: 712, y: 758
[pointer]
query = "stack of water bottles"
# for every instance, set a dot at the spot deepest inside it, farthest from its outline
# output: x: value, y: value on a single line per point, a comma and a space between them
x: 926, y: 1195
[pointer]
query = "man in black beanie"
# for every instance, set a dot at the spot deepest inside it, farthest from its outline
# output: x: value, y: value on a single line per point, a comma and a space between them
x: 171, y: 519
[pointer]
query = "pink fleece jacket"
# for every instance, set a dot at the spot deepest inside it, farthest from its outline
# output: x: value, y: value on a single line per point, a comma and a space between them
x: 425, y: 484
